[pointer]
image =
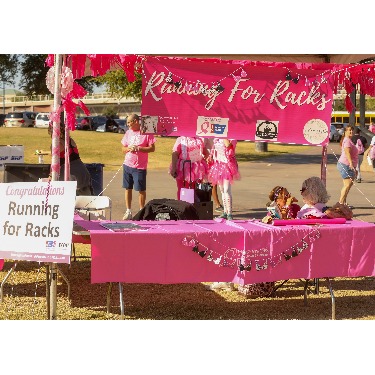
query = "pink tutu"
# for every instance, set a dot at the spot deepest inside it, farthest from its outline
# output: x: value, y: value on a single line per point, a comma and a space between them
x: 199, y: 170
x: 223, y: 171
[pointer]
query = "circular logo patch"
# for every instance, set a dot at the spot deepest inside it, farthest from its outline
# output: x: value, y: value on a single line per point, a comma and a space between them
x: 315, y: 131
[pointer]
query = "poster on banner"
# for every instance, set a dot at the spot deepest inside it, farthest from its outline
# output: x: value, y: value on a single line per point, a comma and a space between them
x: 213, y: 126
x: 237, y: 101
x: 11, y: 154
x: 36, y: 220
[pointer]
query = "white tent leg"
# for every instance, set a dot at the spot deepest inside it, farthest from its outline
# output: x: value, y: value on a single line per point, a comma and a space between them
x: 55, y: 161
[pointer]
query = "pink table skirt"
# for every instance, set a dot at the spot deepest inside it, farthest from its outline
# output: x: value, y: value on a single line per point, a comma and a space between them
x: 239, y: 251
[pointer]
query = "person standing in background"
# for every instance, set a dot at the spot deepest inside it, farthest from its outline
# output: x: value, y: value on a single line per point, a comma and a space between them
x: 371, y: 150
x: 136, y: 147
x: 372, y: 127
x: 357, y: 136
x: 347, y: 163
x: 85, y: 124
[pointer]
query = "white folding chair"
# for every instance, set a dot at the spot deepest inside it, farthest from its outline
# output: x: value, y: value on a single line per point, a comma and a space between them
x: 91, y: 207
x: 94, y: 207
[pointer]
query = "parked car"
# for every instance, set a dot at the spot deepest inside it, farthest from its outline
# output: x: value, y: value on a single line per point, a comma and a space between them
x: 122, y: 126
x: 340, y: 126
x: 42, y: 120
x: 113, y: 126
x: 20, y: 119
x: 81, y: 125
x: 334, y: 135
x: 78, y: 123
x: 96, y: 121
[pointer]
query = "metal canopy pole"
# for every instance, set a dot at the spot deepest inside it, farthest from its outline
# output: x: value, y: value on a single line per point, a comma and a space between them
x: 55, y: 171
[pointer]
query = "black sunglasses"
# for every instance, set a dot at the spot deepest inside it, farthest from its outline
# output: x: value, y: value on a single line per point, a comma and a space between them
x: 303, y: 189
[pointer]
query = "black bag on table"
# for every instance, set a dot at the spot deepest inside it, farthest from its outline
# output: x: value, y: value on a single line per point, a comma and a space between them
x: 167, y: 209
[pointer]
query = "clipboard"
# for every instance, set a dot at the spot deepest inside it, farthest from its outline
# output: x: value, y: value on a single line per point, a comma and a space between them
x: 123, y: 227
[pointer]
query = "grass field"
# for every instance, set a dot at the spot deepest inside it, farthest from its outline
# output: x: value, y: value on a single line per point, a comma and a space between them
x: 105, y: 148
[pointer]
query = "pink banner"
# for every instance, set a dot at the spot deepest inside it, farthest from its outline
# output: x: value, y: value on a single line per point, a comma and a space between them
x: 256, y: 103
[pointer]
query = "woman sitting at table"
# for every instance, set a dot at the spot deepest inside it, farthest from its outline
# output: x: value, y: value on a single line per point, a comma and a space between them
x: 315, y: 196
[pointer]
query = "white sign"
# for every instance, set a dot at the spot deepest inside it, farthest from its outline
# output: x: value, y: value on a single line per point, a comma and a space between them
x: 36, y: 220
x: 11, y: 154
x: 212, y: 126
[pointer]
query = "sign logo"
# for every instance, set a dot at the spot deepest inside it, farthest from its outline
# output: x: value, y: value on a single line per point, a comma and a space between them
x: 215, y: 126
x: 267, y: 130
x: 50, y: 245
x: 315, y: 131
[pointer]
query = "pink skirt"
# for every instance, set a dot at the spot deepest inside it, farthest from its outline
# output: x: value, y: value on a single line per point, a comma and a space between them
x: 223, y: 171
x: 199, y: 170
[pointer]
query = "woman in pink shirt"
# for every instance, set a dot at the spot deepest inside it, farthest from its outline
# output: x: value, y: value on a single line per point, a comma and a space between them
x: 347, y: 163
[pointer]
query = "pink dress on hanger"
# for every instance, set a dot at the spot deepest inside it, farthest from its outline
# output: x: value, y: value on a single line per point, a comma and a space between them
x: 224, y: 166
x: 190, y: 148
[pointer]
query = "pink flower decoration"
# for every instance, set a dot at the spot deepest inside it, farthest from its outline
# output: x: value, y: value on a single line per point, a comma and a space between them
x: 190, y: 242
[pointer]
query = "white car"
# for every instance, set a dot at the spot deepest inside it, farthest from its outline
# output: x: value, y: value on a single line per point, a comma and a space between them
x: 42, y: 120
x: 19, y: 119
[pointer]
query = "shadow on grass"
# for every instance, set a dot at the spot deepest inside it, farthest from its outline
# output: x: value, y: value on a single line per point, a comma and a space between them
x: 286, y: 158
x: 355, y: 299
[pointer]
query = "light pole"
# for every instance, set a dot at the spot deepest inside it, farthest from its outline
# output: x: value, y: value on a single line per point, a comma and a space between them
x: 3, y: 97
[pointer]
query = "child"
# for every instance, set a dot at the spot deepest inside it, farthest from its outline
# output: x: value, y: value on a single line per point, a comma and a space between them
x: 281, y: 205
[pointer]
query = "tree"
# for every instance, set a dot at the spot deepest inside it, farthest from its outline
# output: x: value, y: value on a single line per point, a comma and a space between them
x: 33, y: 76
x: 8, y: 68
x: 110, y: 112
x: 119, y: 86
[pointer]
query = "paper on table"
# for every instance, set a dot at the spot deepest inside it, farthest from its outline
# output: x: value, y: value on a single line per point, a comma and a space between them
x: 123, y: 227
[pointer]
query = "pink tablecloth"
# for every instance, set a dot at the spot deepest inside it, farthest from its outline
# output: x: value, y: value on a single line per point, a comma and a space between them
x: 164, y: 253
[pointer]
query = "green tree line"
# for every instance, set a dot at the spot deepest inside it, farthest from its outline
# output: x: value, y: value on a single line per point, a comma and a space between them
x: 32, y: 70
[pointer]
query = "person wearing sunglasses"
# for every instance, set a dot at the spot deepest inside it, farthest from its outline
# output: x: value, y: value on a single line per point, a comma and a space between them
x: 315, y: 198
